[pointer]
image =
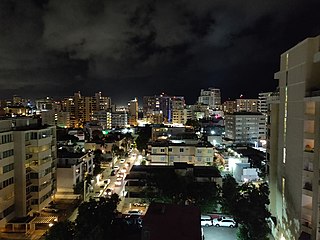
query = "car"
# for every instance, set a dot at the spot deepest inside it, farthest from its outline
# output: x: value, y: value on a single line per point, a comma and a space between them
x: 122, y: 160
x: 206, y: 221
x: 118, y: 183
x: 122, y: 175
x: 224, y: 222
x: 134, y: 220
x: 134, y: 212
x: 116, y: 167
x: 123, y: 170
x: 50, y: 209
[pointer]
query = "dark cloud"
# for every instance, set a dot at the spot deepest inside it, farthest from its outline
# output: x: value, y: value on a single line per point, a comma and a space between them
x: 140, y: 47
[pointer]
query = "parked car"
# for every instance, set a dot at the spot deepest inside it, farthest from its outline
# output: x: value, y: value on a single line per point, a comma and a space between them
x: 50, y: 209
x: 224, y: 222
x: 134, y: 212
x: 206, y: 221
x: 122, y: 160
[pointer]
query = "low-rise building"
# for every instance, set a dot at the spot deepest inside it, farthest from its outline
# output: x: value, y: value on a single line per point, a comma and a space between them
x: 72, y: 168
x: 168, y: 153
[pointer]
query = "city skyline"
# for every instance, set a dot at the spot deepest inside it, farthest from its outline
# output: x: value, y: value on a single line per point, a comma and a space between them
x: 127, y: 49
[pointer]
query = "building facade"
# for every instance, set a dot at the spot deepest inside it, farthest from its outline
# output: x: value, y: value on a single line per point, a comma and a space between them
x: 165, y: 153
x: 28, y: 167
x: 245, y: 127
x: 210, y: 97
x: 133, y: 112
x: 247, y: 105
x: 293, y: 144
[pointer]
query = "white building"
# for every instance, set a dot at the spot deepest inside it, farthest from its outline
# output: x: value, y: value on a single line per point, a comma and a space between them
x: 72, y: 168
x: 245, y: 127
x: 210, y: 97
x: 7, y: 173
x: 27, y: 166
x: 293, y: 144
x: 164, y: 153
x: 263, y: 102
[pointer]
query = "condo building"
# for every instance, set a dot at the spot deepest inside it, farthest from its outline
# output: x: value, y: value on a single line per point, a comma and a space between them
x: 245, y: 127
x: 27, y: 167
x: 294, y: 142
x: 210, y: 97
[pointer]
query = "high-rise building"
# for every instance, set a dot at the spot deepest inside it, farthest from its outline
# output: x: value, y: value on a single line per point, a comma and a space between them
x: 293, y: 144
x: 28, y: 167
x: 81, y: 108
x: 210, y: 97
x: 263, y: 102
x: 133, y: 112
x: 161, y: 105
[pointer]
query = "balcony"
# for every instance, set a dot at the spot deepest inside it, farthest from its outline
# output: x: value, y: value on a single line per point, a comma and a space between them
x: 309, y: 149
x: 306, y: 226
x: 307, y: 189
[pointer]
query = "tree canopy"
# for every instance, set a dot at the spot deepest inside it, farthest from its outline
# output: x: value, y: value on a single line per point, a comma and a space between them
x: 94, y: 222
x: 248, y: 204
x: 171, y: 187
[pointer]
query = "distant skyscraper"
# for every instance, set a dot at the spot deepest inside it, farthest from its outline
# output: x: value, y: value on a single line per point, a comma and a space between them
x: 161, y: 105
x: 133, y: 110
x: 210, y: 97
x: 294, y: 143
x: 81, y: 108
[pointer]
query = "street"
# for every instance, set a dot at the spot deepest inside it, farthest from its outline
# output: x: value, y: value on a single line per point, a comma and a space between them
x: 220, y: 233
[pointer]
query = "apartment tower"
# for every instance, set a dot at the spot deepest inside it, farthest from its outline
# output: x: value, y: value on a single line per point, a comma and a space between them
x: 294, y: 144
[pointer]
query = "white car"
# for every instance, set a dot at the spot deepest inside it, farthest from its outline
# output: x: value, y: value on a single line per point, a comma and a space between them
x: 122, y: 160
x: 116, y: 167
x: 135, y: 212
x: 118, y: 183
x: 224, y: 222
x: 206, y: 221
x: 50, y: 209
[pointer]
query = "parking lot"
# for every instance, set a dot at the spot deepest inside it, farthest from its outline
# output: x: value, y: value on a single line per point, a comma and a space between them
x: 220, y: 233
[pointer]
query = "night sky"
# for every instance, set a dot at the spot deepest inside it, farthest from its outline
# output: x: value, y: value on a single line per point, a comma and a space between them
x: 128, y: 48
